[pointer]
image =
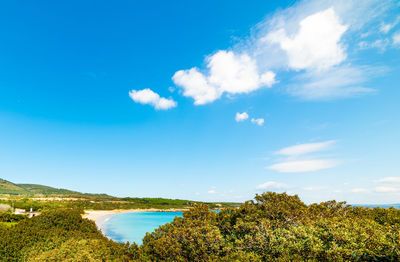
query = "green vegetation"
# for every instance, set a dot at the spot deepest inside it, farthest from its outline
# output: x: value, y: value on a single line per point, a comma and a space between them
x: 56, y: 235
x: 9, y: 188
x: 273, y: 227
x: 278, y: 227
x: 9, y: 217
x: 46, y: 190
x: 39, y: 198
x: 106, y: 204
x: 8, y: 224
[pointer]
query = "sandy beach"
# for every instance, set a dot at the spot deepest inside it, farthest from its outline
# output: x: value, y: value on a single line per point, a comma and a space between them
x: 100, y: 217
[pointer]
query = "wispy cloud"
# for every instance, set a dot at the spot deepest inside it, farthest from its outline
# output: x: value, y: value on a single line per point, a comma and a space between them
x: 380, y: 44
x: 360, y: 190
x: 148, y: 97
x: 302, y: 149
x: 296, y: 161
x: 388, y: 185
x: 331, y: 84
x: 303, y: 166
x: 396, y: 39
x: 314, y: 188
x: 388, y: 180
x: 386, y: 27
x: 387, y: 189
x: 273, y: 185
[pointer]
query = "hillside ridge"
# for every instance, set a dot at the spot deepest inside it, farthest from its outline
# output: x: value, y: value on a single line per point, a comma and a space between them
x: 10, y: 188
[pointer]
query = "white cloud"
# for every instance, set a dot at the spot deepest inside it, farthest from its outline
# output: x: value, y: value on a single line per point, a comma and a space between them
x: 212, y: 191
x: 396, y: 38
x: 388, y: 180
x: 380, y: 44
x: 314, y: 188
x: 273, y: 185
x: 258, y: 121
x: 386, y: 27
x: 359, y: 190
x: 147, y: 96
x: 315, y: 38
x: 386, y: 189
x: 316, y: 45
x: 302, y: 149
x: 228, y: 72
x: 196, y: 85
x: 338, y: 82
x: 295, y: 162
x: 300, y: 166
x: 235, y: 74
x: 239, y: 117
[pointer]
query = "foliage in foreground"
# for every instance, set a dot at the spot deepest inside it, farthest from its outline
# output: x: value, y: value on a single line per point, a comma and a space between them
x: 59, y: 235
x: 274, y: 227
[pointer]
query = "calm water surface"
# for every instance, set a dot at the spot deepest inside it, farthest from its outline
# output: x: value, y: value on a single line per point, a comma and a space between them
x: 133, y: 226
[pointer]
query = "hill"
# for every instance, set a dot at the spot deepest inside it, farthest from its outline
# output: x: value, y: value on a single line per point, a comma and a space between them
x: 9, y: 188
x: 6, y: 187
x: 46, y: 190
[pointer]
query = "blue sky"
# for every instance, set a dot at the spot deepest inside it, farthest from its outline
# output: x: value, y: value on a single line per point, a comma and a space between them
x: 204, y: 100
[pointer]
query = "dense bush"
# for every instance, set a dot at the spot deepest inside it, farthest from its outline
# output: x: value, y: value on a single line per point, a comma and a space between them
x: 9, y: 217
x: 59, y: 232
x: 273, y: 227
x: 279, y: 227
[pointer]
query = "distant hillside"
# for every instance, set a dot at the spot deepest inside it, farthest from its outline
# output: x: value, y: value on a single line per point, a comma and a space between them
x: 46, y: 190
x: 7, y: 187
x: 85, y: 200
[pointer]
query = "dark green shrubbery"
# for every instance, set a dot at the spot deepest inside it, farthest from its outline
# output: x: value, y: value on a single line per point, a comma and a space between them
x: 279, y: 227
x: 274, y: 227
x: 62, y: 232
x: 9, y: 217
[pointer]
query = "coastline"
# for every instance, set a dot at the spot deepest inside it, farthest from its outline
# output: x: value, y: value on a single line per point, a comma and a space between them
x: 100, y: 217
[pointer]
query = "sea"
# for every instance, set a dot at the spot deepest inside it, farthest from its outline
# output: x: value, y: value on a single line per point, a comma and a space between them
x: 133, y: 226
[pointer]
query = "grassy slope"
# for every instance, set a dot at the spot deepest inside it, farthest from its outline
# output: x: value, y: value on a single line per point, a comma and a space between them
x: 7, y: 187
x: 46, y: 190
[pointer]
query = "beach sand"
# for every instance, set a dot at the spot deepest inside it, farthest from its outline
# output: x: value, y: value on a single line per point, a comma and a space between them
x: 100, y: 217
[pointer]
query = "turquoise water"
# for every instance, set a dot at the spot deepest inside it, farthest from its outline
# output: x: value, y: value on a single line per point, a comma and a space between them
x: 133, y: 226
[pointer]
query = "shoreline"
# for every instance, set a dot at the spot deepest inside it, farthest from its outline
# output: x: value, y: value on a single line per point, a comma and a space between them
x: 100, y: 217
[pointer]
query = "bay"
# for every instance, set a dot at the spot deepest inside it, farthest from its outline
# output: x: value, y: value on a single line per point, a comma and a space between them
x: 133, y: 226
